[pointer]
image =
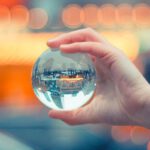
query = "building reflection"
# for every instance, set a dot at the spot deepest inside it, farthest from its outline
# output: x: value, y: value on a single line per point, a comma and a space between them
x: 61, y: 82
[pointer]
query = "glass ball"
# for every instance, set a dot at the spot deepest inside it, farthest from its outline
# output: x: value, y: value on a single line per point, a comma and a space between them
x: 63, y: 81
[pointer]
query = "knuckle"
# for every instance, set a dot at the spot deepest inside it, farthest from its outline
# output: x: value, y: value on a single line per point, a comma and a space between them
x: 78, y: 46
x: 92, y: 47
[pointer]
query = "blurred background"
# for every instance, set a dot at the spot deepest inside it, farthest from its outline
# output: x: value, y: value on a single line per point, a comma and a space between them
x: 25, y: 26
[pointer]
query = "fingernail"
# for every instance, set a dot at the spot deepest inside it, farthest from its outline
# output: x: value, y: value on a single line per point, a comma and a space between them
x: 50, y: 40
x: 51, y: 43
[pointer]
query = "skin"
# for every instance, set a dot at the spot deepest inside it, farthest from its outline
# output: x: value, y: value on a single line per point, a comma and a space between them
x: 122, y: 94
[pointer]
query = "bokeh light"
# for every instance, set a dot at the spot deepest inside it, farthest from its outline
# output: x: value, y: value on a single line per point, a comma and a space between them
x: 141, y: 15
x: 100, y: 17
x: 10, y: 3
x: 38, y: 18
x: 140, y: 135
x: 90, y: 12
x: 121, y: 134
x: 124, y: 14
x: 19, y: 16
x: 108, y: 15
x: 4, y: 16
x: 72, y: 16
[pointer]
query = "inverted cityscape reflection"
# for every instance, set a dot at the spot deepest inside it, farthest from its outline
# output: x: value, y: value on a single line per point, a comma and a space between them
x: 63, y: 81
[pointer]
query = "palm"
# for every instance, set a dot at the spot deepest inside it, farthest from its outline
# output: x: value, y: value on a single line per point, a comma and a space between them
x: 108, y: 99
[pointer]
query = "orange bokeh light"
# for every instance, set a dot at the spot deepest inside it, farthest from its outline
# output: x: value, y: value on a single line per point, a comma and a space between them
x: 121, y: 134
x: 16, y: 87
x: 141, y: 14
x: 100, y: 16
x: 20, y: 16
x: 140, y: 135
x: 72, y: 15
x: 108, y: 14
x: 10, y: 3
x: 4, y: 15
x: 38, y: 18
x: 90, y: 12
x: 124, y: 14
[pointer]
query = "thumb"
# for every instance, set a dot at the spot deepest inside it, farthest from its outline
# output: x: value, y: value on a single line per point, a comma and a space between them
x: 78, y: 116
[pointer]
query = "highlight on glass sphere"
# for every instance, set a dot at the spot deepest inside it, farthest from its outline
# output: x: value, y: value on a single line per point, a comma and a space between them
x: 63, y: 81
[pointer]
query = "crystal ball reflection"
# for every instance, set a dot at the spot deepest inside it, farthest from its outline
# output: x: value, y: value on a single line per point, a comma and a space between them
x: 63, y: 81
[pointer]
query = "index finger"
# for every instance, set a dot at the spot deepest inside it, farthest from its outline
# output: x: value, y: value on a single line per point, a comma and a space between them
x: 75, y: 36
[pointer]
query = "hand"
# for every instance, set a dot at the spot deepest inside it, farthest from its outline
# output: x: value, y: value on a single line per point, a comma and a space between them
x: 121, y: 92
